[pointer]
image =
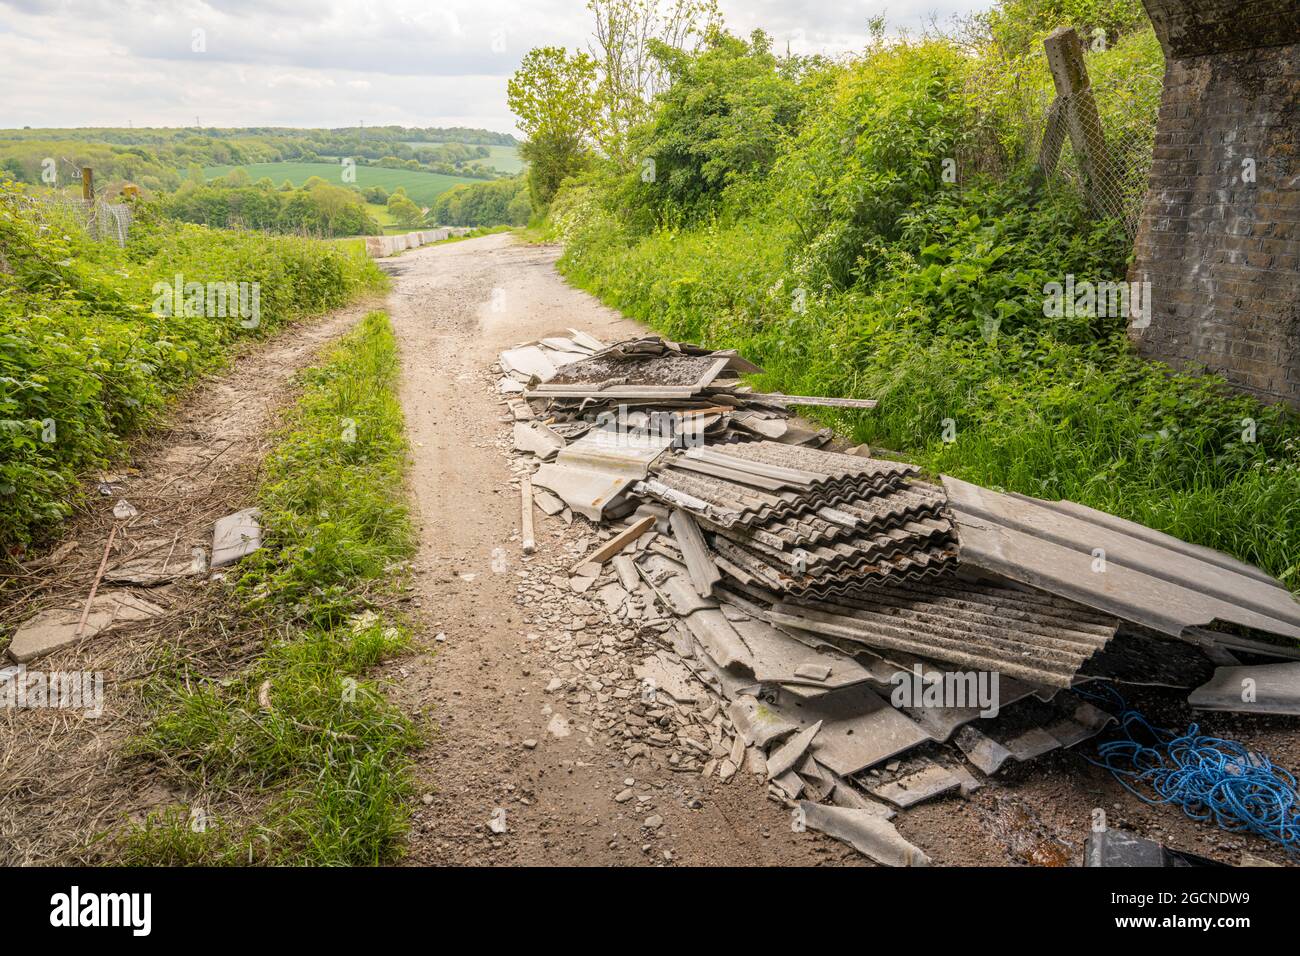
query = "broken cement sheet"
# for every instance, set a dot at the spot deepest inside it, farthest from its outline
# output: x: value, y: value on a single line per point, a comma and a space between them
x: 235, y: 536
x: 775, y: 657
x: 1030, y: 729
x: 927, y: 783
x: 528, y: 361
x: 547, y: 501
x: 593, y: 472
x: 56, y: 628
x: 537, y: 439
x: 867, y: 830
x: 789, y: 753
x: 859, y: 728
x: 662, y: 672
x: 1266, y: 689
x: 699, y: 563
x: 157, y: 563
x: 757, y: 723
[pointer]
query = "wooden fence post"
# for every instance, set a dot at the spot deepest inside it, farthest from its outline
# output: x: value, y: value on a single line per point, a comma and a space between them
x: 87, y: 183
x: 1076, y: 107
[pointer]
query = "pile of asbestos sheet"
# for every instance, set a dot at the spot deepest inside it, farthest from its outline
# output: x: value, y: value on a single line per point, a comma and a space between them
x: 877, y: 640
x: 597, y: 414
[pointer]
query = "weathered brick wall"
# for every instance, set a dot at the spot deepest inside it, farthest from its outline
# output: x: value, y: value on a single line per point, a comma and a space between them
x: 1222, y: 253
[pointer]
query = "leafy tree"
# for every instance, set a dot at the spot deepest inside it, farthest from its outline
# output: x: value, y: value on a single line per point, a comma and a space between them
x: 553, y: 93
x: 14, y: 168
x: 404, y: 211
x: 626, y: 34
x: 722, y: 119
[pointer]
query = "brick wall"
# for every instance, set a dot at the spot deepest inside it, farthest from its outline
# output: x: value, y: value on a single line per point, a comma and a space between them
x: 1222, y: 253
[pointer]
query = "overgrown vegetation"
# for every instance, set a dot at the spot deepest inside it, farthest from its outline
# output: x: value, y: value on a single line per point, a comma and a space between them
x: 874, y: 227
x: 300, y: 732
x: 504, y: 202
x: 90, y: 352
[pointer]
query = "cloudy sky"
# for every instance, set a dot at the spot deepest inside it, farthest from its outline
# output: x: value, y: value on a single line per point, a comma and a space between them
x: 333, y: 62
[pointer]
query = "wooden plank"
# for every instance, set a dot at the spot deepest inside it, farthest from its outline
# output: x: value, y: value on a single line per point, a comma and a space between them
x: 810, y: 400
x: 616, y: 544
x: 526, y: 526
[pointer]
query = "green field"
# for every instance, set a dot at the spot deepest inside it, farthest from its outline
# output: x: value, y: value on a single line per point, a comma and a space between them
x: 423, y: 188
x: 504, y: 159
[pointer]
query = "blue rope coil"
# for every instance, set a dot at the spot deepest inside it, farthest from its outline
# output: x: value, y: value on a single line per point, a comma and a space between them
x: 1210, y: 778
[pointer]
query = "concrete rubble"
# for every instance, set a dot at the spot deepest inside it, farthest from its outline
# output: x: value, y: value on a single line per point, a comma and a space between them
x: 813, y: 617
x: 149, y: 563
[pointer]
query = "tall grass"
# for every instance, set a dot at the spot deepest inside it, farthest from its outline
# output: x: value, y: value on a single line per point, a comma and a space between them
x: 300, y: 732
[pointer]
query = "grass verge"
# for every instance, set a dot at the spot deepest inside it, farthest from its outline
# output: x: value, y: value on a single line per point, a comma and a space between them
x: 299, y: 733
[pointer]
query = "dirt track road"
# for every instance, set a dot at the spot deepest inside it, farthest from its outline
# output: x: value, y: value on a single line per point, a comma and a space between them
x: 454, y: 308
x: 512, y: 629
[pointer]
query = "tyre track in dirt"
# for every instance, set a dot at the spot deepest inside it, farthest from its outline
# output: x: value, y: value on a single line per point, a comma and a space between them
x: 63, y: 775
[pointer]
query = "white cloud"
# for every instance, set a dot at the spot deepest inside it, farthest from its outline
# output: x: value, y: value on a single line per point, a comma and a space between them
x: 330, y: 62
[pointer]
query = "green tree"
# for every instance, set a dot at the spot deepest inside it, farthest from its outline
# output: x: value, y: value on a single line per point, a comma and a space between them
x: 722, y: 119
x: 553, y: 93
x: 404, y: 211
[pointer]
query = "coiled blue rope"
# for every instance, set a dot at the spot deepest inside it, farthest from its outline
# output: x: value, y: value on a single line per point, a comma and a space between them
x: 1210, y: 778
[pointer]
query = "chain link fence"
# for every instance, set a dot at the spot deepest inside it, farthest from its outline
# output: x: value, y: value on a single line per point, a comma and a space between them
x: 1109, y: 122
x: 102, y: 220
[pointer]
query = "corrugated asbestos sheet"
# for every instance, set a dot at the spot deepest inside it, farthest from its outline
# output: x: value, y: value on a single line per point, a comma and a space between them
x: 981, y: 625
x: 1148, y: 577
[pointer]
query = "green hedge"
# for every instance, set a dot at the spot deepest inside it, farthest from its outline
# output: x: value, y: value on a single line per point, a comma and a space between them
x: 87, y: 355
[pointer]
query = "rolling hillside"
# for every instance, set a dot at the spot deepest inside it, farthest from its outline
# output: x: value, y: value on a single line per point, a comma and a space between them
x: 422, y: 187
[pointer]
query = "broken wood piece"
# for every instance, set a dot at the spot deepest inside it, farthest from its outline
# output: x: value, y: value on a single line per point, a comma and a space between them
x: 615, y: 544
x: 526, y: 515
x: 821, y: 400
x: 94, y: 585
x: 699, y: 563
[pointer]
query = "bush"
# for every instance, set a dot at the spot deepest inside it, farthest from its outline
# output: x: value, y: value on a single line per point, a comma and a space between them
x: 87, y: 356
x: 854, y: 267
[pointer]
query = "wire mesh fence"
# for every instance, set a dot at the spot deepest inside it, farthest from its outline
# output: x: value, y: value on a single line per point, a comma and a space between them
x: 1109, y: 167
x: 1097, y: 141
x: 103, y: 220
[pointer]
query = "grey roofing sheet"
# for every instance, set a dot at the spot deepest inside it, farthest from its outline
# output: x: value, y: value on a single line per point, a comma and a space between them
x: 727, y: 502
x: 818, y: 560
x: 1149, y: 578
x: 982, y: 625
x: 829, y: 463
x: 929, y: 559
